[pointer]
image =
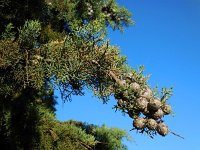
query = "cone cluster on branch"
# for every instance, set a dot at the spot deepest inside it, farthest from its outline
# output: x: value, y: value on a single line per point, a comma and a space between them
x: 141, y: 104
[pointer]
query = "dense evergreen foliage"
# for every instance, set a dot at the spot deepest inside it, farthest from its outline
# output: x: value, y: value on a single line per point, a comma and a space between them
x: 61, y: 44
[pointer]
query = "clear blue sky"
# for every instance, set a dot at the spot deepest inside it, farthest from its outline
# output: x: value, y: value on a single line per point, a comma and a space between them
x: 166, y: 39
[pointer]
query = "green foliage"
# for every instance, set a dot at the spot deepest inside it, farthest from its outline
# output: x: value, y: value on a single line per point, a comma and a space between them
x: 8, y: 34
x: 106, y: 138
x: 29, y: 33
x: 166, y: 94
x: 113, y: 135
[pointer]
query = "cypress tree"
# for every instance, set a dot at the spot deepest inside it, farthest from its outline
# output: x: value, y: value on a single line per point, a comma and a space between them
x: 50, y: 44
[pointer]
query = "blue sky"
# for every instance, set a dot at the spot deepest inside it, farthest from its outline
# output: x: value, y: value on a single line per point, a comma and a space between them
x: 166, y: 40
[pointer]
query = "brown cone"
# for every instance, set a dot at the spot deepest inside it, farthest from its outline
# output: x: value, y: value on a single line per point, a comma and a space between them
x: 158, y: 114
x: 167, y: 109
x: 162, y: 129
x: 154, y: 104
x: 139, y: 123
x: 151, y: 124
x: 141, y: 103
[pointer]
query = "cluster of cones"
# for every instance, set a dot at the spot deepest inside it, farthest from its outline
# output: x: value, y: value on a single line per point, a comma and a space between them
x: 141, y: 104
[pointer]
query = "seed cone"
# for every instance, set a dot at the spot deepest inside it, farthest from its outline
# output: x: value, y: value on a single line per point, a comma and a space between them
x: 141, y: 103
x: 158, y: 114
x: 162, y: 129
x: 135, y: 86
x: 154, y: 104
x: 147, y: 93
x: 151, y: 124
x: 167, y: 109
x: 139, y: 123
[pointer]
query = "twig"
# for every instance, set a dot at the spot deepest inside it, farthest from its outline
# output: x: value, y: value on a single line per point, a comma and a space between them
x: 176, y: 134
